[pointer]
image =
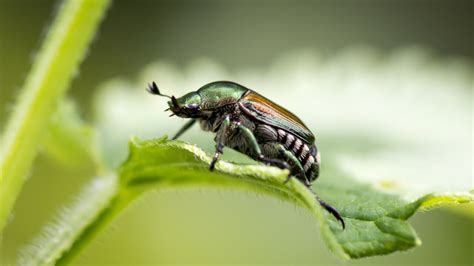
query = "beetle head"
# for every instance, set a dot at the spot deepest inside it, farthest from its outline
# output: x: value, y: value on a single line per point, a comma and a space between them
x: 187, y: 106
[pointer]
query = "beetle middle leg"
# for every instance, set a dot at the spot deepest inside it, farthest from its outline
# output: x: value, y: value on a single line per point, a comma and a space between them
x: 258, y: 152
x: 220, y: 141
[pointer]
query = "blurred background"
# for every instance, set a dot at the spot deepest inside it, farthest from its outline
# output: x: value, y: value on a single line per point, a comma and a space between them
x: 385, y: 85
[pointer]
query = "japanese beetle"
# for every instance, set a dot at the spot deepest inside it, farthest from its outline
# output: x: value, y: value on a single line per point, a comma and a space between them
x: 248, y: 122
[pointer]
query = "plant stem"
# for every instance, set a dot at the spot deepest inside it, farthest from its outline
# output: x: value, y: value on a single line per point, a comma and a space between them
x: 92, y: 205
x: 115, y: 207
x: 62, y: 51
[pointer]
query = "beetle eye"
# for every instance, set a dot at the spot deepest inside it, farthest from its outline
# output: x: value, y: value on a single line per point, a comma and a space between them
x: 193, y: 106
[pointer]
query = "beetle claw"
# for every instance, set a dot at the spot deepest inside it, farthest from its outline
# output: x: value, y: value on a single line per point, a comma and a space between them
x: 214, y: 161
x: 211, y: 166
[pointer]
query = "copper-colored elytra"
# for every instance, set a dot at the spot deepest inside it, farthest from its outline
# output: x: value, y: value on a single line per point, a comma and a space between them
x: 267, y: 106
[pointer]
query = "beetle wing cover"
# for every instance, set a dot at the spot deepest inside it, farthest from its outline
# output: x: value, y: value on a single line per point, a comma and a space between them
x: 272, y: 114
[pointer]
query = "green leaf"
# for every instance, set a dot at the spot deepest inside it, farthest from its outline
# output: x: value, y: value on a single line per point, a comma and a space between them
x: 375, y: 221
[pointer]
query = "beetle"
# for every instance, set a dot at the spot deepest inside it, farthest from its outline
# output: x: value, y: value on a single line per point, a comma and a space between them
x: 249, y: 123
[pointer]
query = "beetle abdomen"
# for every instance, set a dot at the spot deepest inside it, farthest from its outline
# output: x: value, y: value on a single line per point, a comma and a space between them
x: 307, y: 155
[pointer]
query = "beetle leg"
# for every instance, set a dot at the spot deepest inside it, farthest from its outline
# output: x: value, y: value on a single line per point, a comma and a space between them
x: 292, y: 158
x: 251, y: 138
x: 186, y: 126
x: 220, y: 141
x: 275, y: 162
x: 330, y: 209
x: 254, y: 144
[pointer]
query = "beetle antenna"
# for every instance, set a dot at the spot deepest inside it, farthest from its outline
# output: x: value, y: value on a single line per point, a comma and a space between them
x: 153, y: 89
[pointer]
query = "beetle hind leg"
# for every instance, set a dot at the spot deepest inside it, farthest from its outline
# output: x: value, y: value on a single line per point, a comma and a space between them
x: 275, y: 162
x: 259, y: 156
x: 297, y: 169
x: 331, y: 210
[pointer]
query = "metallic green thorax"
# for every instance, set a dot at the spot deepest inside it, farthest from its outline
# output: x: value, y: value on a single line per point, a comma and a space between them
x: 217, y: 94
x: 208, y: 98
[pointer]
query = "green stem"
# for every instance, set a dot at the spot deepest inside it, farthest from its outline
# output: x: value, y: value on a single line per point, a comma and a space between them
x: 88, y: 207
x: 63, y: 50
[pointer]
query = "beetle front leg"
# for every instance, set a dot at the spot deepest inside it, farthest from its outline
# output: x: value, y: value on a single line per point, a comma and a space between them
x: 220, y: 141
x: 254, y: 144
x: 186, y: 126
